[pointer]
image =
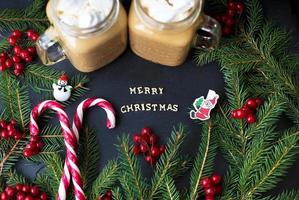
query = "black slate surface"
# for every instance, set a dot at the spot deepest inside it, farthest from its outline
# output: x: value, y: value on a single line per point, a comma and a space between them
x: 182, y: 85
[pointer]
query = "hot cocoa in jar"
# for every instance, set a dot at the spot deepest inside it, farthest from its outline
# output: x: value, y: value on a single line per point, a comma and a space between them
x: 90, y: 33
x: 163, y: 31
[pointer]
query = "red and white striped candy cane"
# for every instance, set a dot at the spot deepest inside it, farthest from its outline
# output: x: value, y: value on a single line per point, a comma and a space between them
x: 71, y: 163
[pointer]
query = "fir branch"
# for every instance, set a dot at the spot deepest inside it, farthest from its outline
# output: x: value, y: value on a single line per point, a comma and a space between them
x: 89, y: 157
x: 105, y: 180
x: 117, y: 195
x: 167, y: 164
x: 203, y: 163
x: 288, y: 195
x: 44, y: 183
x: 14, y: 178
x: 31, y: 17
x: 131, y: 169
x: 169, y: 191
x: 129, y: 193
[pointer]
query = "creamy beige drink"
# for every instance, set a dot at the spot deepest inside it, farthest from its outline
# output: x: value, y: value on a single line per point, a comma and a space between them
x: 163, y: 31
x: 90, y: 33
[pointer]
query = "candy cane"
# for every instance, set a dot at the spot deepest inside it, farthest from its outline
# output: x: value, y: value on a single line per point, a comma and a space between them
x: 71, y: 166
x: 84, y: 105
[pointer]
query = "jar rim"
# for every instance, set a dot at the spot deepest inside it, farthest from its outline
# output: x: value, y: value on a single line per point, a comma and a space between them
x: 99, y: 27
x: 189, y: 20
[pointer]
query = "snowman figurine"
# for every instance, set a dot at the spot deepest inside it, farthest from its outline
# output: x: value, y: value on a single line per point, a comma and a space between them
x: 62, y: 91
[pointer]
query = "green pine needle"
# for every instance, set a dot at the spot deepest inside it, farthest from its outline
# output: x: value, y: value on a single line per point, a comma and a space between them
x: 169, y: 191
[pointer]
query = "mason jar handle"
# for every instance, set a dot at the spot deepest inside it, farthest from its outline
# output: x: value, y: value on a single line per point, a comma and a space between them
x: 208, y: 35
x: 48, y: 48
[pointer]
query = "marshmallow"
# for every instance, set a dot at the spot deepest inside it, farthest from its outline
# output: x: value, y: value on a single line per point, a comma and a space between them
x: 168, y: 10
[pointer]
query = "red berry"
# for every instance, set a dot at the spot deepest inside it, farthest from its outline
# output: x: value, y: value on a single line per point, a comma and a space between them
x: 20, y: 196
x: 231, y: 13
x: 229, y: 22
x: 34, y: 191
x: 3, y: 124
x: 34, y: 37
x: 28, y: 59
x: 17, y: 72
x: 24, y: 54
x: 10, y: 191
x: 16, y: 33
x: 17, y: 50
x: 9, y: 63
x: 12, y: 40
x: 29, y: 197
x: 145, y: 138
x: 226, y: 31
x: 13, y: 122
x: 18, y: 136
x: 30, y: 32
x: 32, y: 50
x: 240, y: 7
x: 3, y: 54
x: 137, y: 138
x: 240, y: 114
x: 27, y: 153
x: 251, y: 119
x: 2, y: 59
x: 218, y: 189
x: 143, y: 148
x: 231, y: 5
x: 10, y: 127
x: 11, y: 133
x: 40, y: 145
x: 206, y: 182
x: 258, y: 101
x: 136, y: 150
x: 162, y: 149
x: 19, y: 66
x: 43, y: 196
x: 19, y: 187
x: 16, y: 59
x: 26, y: 188
x: 151, y: 160
x: 109, y: 193
x: 251, y: 103
x: 210, y: 191
x: 247, y: 110
x: 2, y: 67
x: 146, y: 131
x: 216, y: 179
x: 4, y: 196
x: 4, y: 134
x: 153, y: 139
x: 155, y: 152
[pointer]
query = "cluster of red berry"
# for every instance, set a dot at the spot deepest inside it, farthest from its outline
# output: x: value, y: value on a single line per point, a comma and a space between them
x: 23, y: 192
x: 228, y: 19
x: 212, y: 186
x: 10, y: 130
x: 248, y: 110
x: 106, y: 196
x: 17, y: 56
x: 34, y: 147
x: 146, y: 143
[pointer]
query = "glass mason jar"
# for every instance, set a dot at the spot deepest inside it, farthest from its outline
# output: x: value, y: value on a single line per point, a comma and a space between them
x: 88, y: 49
x: 168, y: 43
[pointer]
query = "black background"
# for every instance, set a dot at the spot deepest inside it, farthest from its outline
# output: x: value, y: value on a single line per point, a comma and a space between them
x: 182, y: 85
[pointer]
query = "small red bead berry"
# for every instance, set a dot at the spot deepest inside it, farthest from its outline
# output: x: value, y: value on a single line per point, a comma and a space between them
x: 2, y: 59
x: 251, y: 119
x: 16, y: 33
x: 206, y: 182
x: 27, y: 153
x: 4, y: 134
x: 209, y: 198
x: 24, y: 54
x: 151, y: 160
x: 137, y: 138
x: 136, y: 150
x: 218, y: 189
x: 9, y: 63
x: 2, y: 67
x: 155, y: 152
x: 20, y: 196
x: 28, y: 59
x: 231, y: 13
x: 10, y: 191
x: 16, y: 59
x: 143, y: 148
x: 240, y: 7
x: 31, y: 50
x: 251, y: 103
x: 231, y: 5
x: 19, y: 187
x: 43, y: 196
x: 19, y: 66
x: 109, y: 193
x: 146, y: 131
x: 4, y: 196
x: 247, y: 110
x: 18, y: 136
x: 26, y: 188
x: 17, y: 72
x: 30, y: 32
x: 216, y: 179
x: 210, y: 191
x: 162, y: 149
x: 3, y: 54
x: 258, y: 101
x: 12, y: 40
x: 34, y: 191
x: 238, y: 114
x: 17, y: 50
x: 34, y: 37
x: 29, y: 197
x: 226, y: 31
x: 34, y: 138
x: 230, y: 22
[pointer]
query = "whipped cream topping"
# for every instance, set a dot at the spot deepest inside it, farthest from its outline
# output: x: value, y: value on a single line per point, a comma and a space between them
x: 168, y: 10
x: 83, y: 13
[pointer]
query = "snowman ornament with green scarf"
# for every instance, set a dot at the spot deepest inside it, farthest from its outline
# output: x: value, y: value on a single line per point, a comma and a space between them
x: 203, y: 106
